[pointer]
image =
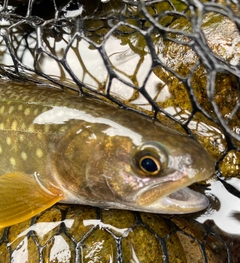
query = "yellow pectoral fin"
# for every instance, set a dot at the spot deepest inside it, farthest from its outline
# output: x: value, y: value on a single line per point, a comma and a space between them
x: 22, y: 196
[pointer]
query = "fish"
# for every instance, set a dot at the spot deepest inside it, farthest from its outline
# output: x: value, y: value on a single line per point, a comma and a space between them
x: 58, y: 146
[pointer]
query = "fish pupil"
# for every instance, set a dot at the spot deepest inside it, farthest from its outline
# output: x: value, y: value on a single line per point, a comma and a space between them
x: 149, y: 165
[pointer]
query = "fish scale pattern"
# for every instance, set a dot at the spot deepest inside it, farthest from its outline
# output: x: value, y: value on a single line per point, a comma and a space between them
x: 102, y: 237
x: 174, y: 60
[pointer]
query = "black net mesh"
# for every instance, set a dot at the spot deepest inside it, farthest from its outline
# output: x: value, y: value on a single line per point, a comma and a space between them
x: 177, y: 61
x: 70, y: 234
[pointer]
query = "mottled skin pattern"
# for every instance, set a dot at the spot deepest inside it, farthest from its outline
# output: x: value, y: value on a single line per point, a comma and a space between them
x: 89, y: 151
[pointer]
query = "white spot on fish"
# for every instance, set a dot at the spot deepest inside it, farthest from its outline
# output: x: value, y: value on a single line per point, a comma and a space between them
x: 24, y: 156
x: 36, y: 111
x: 27, y: 111
x: 11, y: 109
x: 14, y: 125
x: 20, y: 107
x: 31, y: 128
x: 39, y: 153
x: 2, y: 109
x: 25, y: 97
x: 9, y: 91
x: 12, y: 161
x: 8, y: 140
x: 39, y: 136
x: 23, y: 126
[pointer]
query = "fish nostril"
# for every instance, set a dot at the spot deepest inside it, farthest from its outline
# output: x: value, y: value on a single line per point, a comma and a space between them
x: 188, y: 159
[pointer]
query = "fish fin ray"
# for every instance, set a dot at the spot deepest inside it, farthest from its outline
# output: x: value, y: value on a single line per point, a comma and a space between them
x: 22, y: 197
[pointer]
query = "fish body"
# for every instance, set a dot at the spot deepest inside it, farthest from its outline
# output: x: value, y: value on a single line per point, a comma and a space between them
x: 59, y: 147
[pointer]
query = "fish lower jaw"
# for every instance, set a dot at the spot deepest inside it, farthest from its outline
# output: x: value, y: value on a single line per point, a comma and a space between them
x: 182, y: 201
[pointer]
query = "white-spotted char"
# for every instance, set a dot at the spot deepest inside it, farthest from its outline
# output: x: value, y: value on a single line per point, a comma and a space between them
x: 58, y: 147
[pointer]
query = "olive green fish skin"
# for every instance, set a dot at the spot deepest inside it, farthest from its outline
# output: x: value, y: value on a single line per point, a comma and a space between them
x: 90, y: 150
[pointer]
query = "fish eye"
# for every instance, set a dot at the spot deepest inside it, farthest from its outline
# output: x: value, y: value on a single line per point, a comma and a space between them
x: 150, y: 164
x: 150, y: 159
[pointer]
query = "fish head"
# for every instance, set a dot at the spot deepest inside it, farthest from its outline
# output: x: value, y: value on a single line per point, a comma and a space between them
x: 111, y: 165
x: 152, y: 176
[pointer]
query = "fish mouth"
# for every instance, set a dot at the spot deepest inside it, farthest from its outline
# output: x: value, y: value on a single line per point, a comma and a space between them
x: 172, y: 197
x: 185, y: 200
